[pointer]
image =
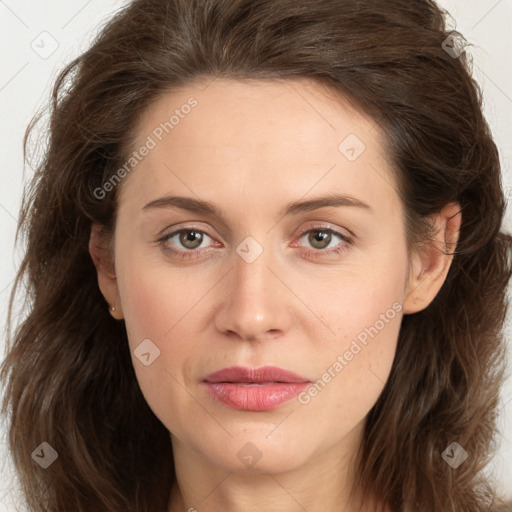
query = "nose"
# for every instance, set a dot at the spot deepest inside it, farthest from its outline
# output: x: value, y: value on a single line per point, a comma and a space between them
x: 256, y: 304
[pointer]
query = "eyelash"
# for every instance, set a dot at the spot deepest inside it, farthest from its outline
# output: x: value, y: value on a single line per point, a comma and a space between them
x: 195, y: 253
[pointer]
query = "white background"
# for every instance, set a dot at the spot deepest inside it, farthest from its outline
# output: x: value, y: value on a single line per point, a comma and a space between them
x: 25, y: 78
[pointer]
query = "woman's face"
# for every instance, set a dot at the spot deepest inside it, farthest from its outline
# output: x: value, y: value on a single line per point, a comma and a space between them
x: 270, y: 274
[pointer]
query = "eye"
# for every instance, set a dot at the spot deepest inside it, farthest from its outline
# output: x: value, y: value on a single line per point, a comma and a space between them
x: 187, y: 242
x: 325, y: 241
x: 184, y: 243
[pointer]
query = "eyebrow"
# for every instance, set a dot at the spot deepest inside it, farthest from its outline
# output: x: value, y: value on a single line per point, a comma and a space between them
x: 294, y: 208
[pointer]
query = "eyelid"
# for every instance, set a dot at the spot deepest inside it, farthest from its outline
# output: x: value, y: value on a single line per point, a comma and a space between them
x: 320, y: 225
x: 180, y: 226
x: 312, y: 225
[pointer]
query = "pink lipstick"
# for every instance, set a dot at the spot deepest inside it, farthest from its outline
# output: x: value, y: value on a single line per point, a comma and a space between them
x: 254, y: 389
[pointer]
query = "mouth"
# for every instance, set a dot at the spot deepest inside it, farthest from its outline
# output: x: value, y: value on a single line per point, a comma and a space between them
x: 254, y: 389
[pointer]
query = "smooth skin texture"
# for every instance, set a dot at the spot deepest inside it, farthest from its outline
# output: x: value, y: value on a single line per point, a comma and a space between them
x: 250, y: 149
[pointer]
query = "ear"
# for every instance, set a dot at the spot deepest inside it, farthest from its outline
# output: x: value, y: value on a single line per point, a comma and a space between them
x: 102, y: 256
x: 430, y: 266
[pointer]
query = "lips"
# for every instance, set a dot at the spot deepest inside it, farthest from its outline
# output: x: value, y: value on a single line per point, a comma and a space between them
x: 265, y: 374
x: 254, y: 389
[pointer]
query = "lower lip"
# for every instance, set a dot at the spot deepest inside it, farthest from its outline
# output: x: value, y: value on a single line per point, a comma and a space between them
x: 255, y: 397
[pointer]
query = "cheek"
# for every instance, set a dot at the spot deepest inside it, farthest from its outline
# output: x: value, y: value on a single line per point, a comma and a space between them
x: 352, y: 370
x: 157, y: 301
x: 360, y: 306
x: 150, y: 308
x: 158, y: 317
x: 361, y: 316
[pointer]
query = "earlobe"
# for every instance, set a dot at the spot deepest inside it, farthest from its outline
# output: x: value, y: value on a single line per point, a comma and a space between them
x: 431, y: 264
x: 101, y: 254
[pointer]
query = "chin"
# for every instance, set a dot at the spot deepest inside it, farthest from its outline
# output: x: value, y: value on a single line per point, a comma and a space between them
x: 257, y: 452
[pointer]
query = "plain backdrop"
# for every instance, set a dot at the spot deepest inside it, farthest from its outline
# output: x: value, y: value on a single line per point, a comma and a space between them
x: 39, y: 38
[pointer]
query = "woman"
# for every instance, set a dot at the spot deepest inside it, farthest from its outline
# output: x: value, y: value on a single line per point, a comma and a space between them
x: 266, y: 267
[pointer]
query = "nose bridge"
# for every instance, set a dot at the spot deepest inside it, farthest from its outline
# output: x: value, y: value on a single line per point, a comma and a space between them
x: 254, y: 303
x: 251, y: 279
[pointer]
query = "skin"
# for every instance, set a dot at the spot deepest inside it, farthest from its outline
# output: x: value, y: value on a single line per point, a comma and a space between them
x: 251, y: 148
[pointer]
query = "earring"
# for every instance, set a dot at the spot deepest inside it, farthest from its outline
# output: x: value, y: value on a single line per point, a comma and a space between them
x: 112, y: 308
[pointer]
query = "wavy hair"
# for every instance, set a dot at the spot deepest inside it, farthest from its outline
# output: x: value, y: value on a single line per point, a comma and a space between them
x: 68, y: 372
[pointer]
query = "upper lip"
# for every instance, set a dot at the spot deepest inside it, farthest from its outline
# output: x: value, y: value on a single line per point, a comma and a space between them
x: 254, y: 375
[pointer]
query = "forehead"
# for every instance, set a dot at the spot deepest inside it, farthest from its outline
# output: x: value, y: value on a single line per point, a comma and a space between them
x: 252, y: 112
x: 254, y: 137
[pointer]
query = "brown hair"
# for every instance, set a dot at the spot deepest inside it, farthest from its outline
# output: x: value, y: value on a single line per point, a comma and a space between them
x: 70, y: 380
